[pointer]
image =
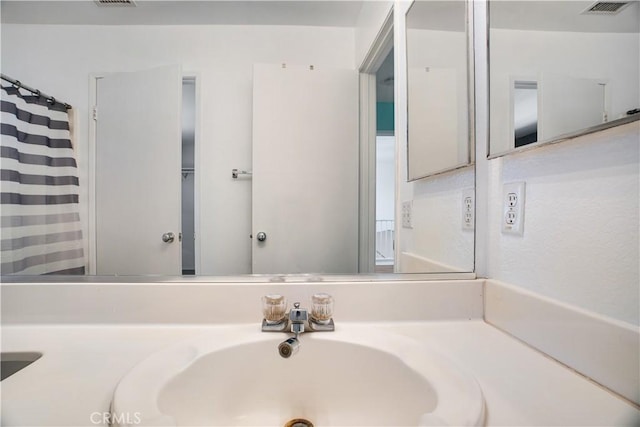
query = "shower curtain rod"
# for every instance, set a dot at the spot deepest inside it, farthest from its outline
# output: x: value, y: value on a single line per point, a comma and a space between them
x: 18, y: 85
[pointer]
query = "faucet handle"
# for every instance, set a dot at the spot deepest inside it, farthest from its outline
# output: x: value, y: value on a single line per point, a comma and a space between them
x: 274, y: 308
x: 321, y: 308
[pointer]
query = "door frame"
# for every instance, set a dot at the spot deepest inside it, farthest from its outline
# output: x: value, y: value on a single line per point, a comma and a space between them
x: 379, y: 50
x: 91, y: 175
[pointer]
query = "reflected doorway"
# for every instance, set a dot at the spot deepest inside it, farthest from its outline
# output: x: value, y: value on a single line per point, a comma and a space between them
x: 385, y: 167
x: 188, y: 175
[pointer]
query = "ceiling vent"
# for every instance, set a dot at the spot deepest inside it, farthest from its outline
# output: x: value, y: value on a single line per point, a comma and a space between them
x: 606, y: 8
x: 112, y: 3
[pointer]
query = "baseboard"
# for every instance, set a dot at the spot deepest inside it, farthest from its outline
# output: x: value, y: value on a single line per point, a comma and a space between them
x: 603, y: 349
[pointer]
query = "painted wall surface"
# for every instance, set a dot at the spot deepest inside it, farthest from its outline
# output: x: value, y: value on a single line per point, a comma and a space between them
x: 59, y: 59
x: 372, y: 16
x: 385, y: 177
x: 614, y: 58
x: 581, y: 222
x: 384, y: 117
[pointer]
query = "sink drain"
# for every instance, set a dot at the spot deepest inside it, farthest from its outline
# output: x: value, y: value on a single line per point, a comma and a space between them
x: 299, y: 422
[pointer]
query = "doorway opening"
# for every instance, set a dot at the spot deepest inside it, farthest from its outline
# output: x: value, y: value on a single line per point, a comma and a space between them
x: 378, y: 155
x: 385, y: 167
x: 188, y: 175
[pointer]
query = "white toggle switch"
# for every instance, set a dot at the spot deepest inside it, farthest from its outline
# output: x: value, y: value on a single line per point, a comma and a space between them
x: 513, y: 208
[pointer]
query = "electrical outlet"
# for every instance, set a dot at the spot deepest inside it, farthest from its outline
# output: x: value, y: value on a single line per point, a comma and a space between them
x: 468, y: 209
x: 513, y: 208
x: 407, y: 207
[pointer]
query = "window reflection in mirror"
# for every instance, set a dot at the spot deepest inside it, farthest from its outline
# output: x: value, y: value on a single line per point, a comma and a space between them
x: 586, y: 67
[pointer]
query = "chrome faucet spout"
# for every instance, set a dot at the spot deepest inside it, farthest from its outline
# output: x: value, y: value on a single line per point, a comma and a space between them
x: 289, y: 347
x: 298, y: 316
x: 298, y: 321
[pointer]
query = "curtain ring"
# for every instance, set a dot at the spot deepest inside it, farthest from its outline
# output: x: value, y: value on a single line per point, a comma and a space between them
x: 17, y: 84
x: 37, y: 93
x: 52, y: 100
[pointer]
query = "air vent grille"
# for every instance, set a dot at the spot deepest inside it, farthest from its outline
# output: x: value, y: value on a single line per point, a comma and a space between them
x: 112, y: 3
x: 606, y: 8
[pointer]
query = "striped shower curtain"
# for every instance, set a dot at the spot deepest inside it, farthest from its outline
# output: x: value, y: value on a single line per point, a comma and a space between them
x: 41, y: 228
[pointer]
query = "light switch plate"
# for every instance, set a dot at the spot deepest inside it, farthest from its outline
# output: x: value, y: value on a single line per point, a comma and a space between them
x: 513, y: 208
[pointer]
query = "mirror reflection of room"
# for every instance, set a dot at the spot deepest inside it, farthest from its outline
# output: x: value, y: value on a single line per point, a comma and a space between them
x: 210, y: 107
x: 437, y: 95
x: 385, y: 166
x: 436, y: 190
x: 583, y: 57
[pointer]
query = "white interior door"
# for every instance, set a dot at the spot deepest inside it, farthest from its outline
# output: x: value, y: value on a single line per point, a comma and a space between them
x: 305, y: 170
x: 138, y: 161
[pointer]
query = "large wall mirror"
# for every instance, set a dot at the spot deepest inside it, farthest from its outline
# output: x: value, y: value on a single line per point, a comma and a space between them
x: 437, y: 194
x: 437, y: 82
x: 241, y: 74
x: 561, y: 68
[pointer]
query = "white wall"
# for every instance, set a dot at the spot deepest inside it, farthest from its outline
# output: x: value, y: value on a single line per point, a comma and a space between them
x: 59, y: 58
x: 581, y: 222
x: 518, y: 53
x: 372, y: 16
x: 437, y: 235
x: 580, y: 244
x: 385, y: 177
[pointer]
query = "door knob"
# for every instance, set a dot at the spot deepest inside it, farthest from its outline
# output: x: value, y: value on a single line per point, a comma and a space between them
x: 168, y: 237
x: 261, y: 236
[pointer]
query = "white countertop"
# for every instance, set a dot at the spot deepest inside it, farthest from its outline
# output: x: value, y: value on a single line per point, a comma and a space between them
x: 81, y: 365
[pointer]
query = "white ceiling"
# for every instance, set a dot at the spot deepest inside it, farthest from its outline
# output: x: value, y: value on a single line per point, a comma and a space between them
x: 333, y: 13
x: 447, y: 15
x: 439, y: 15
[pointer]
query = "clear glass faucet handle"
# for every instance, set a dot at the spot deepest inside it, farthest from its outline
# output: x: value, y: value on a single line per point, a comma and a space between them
x: 322, y: 307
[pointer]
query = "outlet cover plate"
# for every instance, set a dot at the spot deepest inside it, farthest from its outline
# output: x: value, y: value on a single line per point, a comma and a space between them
x: 407, y: 208
x: 513, y: 208
x: 468, y: 209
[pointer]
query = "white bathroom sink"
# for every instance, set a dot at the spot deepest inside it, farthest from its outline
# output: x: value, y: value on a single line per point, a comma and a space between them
x: 355, y: 376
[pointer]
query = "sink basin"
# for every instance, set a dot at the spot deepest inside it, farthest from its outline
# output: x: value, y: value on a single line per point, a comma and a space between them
x: 354, y: 376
